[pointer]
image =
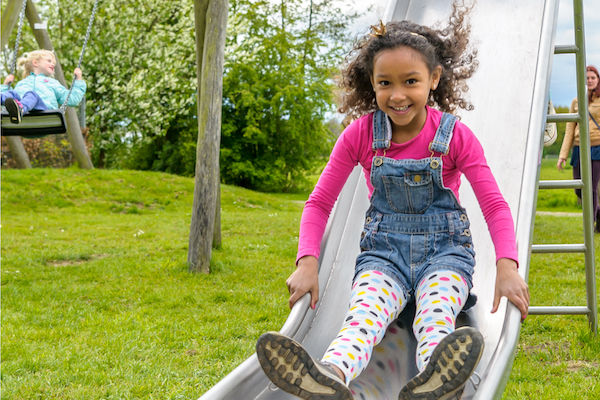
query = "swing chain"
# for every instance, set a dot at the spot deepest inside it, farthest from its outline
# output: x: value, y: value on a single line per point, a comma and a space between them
x: 13, y: 66
x: 85, y: 41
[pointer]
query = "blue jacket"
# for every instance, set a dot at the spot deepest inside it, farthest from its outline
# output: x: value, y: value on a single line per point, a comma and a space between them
x: 51, y: 91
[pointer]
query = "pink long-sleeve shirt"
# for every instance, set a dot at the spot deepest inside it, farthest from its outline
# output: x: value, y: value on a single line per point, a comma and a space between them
x: 354, y: 146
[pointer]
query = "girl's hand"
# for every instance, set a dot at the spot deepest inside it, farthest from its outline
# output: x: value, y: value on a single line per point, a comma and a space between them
x: 510, y: 284
x: 561, y: 163
x: 9, y: 79
x: 305, y: 279
x: 77, y: 73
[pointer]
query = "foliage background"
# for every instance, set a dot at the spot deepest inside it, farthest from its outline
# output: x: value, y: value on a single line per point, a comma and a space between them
x: 141, y: 101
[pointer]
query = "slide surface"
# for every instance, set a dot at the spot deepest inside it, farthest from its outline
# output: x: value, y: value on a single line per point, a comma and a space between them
x: 515, y: 48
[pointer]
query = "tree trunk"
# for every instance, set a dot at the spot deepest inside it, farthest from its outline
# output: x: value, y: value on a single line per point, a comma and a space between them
x: 73, y: 130
x: 210, y: 23
x: 10, y: 17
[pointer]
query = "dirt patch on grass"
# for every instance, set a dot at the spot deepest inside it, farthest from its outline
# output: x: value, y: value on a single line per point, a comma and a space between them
x: 547, y: 346
x: 577, y: 365
x: 78, y: 261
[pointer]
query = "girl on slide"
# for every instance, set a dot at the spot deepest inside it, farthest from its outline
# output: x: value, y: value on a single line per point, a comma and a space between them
x: 402, y: 81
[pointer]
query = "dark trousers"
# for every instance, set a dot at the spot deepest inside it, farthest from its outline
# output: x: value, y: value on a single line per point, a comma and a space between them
x: 595, y: 180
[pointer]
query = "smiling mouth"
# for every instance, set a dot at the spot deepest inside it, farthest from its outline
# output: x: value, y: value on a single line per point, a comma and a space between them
x: 403, y: 108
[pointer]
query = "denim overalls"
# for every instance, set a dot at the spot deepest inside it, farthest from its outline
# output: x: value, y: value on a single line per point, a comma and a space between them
x: 414, y: 225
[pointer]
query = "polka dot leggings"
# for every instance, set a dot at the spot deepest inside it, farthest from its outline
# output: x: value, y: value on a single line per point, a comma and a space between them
x: 376, y: 300
x: 440, y: 297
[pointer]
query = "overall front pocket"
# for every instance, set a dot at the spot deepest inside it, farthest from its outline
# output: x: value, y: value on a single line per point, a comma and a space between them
x: 411, y: 193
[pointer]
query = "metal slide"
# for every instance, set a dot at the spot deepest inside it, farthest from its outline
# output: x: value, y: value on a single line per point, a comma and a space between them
x: 515, y: 45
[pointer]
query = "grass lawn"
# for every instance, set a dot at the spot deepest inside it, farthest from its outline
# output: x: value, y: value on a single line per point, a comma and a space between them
x: 97, y: 301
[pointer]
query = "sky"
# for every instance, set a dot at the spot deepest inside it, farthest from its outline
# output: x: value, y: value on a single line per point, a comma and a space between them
x: 562, y: 82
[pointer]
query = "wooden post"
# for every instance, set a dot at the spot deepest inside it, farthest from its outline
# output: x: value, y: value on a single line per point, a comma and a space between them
x: 10, y: 16
x: 73, y: 130
x: 210, y: 23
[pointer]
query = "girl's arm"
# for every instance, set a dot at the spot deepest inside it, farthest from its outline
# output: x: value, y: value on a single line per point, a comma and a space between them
x: 9, y: 79
x: 79, y: 88
x: 7, y: 82
x: 305, y: 279
x: 509, y: 284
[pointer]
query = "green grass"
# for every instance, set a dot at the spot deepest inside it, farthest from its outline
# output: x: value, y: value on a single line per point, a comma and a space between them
x: 558, y: 357
x: 563, y: 200
x: 97, y: 301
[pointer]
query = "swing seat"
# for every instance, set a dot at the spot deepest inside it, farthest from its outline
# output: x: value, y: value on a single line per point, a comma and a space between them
x: 35, y: 124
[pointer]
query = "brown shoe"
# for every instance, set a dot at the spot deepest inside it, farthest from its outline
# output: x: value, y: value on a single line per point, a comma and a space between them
x: 287, y: 364
x: 451, y: 364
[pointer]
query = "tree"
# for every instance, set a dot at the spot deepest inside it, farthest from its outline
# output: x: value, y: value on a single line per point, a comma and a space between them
x: 141, y: 98
x: 278, y: 90
x: 210, y: 22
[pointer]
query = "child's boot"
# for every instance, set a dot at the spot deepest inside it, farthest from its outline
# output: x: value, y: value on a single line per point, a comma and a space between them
x: 450, y: 366
x: 293, y: 370
x: 15, y: 110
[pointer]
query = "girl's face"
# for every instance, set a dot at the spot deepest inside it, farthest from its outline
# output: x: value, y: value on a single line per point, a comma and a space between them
x: 402, y: 82
x: 591, y: 80
x: 44, y: 65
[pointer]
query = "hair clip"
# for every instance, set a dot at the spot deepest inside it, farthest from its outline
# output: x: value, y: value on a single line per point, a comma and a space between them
x: 418, y: 35
x: 378, y: 30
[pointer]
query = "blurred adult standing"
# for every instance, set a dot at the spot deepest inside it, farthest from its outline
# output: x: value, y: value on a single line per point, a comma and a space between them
x: 571, y: 139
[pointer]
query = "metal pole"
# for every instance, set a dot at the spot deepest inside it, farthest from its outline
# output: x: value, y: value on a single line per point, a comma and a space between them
x: 585, y: 165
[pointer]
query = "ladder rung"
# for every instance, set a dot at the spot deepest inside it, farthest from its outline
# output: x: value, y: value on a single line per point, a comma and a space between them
x: 562, y: 184
x: 563, y: 117
x: 562, y: 310
x: 557, y: 248
x: 566, y: 49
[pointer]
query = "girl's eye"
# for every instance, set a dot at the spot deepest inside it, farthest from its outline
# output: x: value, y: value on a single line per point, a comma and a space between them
x: 411, y: 81
x: 384, y: 83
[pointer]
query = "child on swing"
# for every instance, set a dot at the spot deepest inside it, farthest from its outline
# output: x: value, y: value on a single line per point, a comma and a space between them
x: 416, y: 244
x: 39, y: 90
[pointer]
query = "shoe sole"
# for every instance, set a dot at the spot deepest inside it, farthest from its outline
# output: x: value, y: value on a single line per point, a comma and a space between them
x: 13, y: 111
x: 292, y: 369
x: 450, y: 366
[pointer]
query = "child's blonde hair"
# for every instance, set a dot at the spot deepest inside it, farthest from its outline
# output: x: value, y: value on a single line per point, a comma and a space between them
x: 25, y: 62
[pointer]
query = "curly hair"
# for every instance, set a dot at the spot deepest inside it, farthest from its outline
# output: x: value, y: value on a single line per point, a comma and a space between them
x: 447, y: 48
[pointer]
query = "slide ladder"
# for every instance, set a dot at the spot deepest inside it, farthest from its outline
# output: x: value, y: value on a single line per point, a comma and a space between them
x: 585, y: 183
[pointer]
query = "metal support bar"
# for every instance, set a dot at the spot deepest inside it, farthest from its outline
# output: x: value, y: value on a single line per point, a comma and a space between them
x: 558, y: 310
x: 565, y: 49
x: 563, y: 117
x: 557, y: 248
x: 562, y: 184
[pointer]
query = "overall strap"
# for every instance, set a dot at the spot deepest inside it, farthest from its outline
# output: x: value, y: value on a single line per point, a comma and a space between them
x: 443, y: 135
x: 382, y: 131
